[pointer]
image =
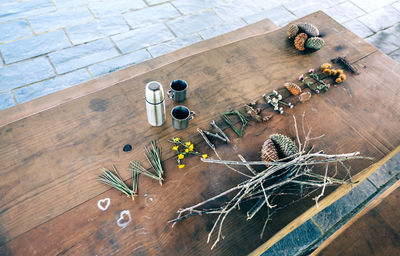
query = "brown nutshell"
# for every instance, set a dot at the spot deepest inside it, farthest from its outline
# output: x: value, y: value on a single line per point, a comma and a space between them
x: 300, y: 40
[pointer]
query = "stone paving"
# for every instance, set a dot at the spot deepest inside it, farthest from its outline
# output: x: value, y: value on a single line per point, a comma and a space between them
x: 49, y: 45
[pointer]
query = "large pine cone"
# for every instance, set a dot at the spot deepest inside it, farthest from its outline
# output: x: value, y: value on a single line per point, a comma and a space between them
x: 300, y: 40
x: 292, y: 31
x: 315, y: 43
x: 286, y: 146
x: 268, y: 151
x: 293, y: 88
x: 308, y: 28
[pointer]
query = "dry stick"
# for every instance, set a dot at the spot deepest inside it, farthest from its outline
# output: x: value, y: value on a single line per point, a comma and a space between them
x: 248, y: 166
x: 329, y: 158
x: 213, y: 124
x: 324, y: 186
x: 212, y: 146
x: 215, y: 135
x: 297, y: 133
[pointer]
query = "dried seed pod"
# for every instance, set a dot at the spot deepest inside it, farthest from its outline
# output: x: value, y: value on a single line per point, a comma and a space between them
x: 285, y: 146
x: 292, y: 31
x: 269, y: 152
x: 293, y: 88
x: 327, y: 72
x: 300, y: 41
x: 325, y: 66
x: 315, y: 43
x: 308, y: 28
x: 305, y: 96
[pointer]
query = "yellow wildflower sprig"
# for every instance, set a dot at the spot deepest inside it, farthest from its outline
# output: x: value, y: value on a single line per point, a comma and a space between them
x: 184, y: 149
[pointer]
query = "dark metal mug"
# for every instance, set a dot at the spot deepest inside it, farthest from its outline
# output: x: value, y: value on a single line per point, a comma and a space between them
x: 181, y: 116
x: 178, y: 90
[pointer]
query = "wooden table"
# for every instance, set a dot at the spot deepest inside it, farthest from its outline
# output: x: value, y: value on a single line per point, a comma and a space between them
x: 50, y: 160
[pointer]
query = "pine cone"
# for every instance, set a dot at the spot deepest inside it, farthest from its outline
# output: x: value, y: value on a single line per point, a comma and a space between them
x: 308, y: 28
x: 315, y: 43
x: 284, y: 144
x: 293, y: 88
x: 300, y: 40
x: 292, y: 31
x: 268, y: 151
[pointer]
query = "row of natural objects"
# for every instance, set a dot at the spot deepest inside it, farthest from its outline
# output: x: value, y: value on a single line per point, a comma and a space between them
x: 305, y: 35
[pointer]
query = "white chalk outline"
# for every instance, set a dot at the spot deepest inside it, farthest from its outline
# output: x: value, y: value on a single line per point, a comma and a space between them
x: 121, y: 217
x: 103, y: 200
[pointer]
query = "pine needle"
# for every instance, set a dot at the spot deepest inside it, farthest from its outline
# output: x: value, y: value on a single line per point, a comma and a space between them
x: 113, y: 179
x: 153, y: 155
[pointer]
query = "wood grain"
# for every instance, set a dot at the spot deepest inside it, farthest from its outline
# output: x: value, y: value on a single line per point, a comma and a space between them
x: 373, y: 231
x: 46, y: 102
x: 49, y: 161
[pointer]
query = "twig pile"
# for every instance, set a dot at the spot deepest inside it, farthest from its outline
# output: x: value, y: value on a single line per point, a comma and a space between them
x: 278, y: 179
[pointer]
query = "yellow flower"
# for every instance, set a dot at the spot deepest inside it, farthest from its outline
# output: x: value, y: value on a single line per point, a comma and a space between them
x: 338, y: 80
x: 181, y: 156
x: 191, y: 147
x: 177, y: 139
x: 187, y: 150
x: 181, y: 166
x: 175, y: 148
x: 188, y: 144
x: 205, y: 156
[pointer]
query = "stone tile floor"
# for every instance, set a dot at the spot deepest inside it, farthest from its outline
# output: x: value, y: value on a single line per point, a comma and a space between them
x: 49, y: 45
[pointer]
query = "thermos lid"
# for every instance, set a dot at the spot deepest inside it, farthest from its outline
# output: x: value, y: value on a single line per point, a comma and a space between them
x: 154, y: 92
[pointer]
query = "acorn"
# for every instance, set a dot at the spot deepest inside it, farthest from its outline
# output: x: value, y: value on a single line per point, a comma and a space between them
x: 308, y: 28
x: 300, y: 40
x: 293, y: 88
x: 269, y: 152
x: 285, y: 146
x: 292, y: 31
x: 315, y: 43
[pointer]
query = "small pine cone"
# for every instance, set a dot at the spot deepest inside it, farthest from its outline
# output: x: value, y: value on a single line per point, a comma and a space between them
x: 308, y: 28
x: 292, y: 31
x: 293, y: 88
x: 305, y: 96
x: 268, y: 151
x: 284, y: 144
x: 315, y: 43
x: 300, y: 40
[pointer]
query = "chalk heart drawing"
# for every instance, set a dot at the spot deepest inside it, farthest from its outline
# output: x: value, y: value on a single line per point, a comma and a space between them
x: 103, y: 204
x: 124, y: 219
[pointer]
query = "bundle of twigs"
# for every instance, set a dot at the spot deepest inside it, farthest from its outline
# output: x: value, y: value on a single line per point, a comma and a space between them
x: 277, y: 179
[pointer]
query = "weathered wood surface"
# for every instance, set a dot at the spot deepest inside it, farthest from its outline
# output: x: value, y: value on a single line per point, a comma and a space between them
x: 49, y: 161
x: 373, y: 231
x: 46, y: 102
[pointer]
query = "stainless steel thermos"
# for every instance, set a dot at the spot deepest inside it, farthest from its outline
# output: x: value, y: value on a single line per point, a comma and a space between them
x: 155, y: 103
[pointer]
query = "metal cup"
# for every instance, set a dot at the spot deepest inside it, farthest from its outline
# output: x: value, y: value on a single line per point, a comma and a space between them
x: 181, y: 116
x: 178, y: 90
